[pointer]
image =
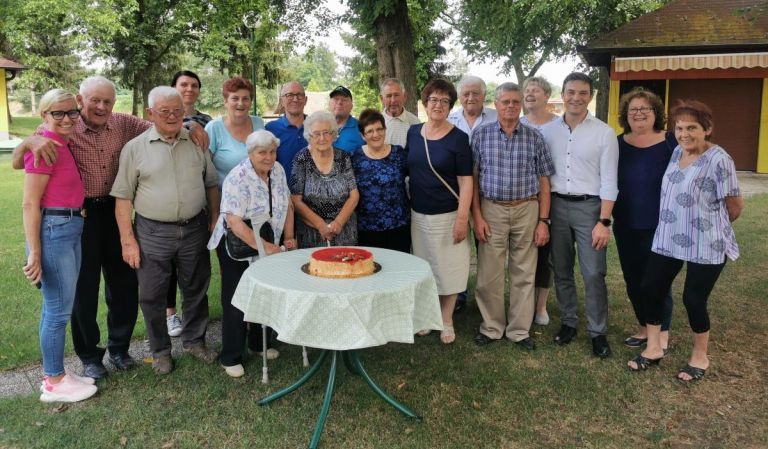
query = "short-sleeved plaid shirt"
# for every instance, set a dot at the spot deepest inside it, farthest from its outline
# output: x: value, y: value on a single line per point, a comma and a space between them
x: 509, y: 167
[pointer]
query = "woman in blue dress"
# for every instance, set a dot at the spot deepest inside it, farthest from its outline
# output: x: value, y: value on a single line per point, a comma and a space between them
x: 383, y: 212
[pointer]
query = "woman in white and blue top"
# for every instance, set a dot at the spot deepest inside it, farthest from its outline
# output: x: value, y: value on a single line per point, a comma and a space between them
x: 700, y: 198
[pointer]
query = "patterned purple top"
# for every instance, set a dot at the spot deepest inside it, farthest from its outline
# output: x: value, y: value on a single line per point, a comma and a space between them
x: 693, y: 220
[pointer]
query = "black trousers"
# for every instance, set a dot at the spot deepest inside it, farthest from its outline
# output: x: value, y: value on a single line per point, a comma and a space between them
x: 699, y: 281
x: 397, y: 239
x: 634, y: 248
x: 102, y: 254
x: 235, y: 331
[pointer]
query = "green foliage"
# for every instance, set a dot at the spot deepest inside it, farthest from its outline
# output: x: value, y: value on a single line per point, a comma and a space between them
x: 316, y: 68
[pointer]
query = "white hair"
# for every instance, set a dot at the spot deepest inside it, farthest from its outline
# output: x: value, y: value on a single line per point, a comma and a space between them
x: 320, y: 117
x: 471, y: 80
x: 162, y: 93
x: 95, y: 81
x: 505, y: 87
x: 261, y: 139
x: 389, y: 81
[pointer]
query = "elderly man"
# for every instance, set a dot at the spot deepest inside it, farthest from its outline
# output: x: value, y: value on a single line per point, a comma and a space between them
x: 511, y: 216
x: 472, y: 114
x: 349, y: 138
x: 169, y: 182
x: 584, y: 188
x: 396, y: 118
x: 290, y: 127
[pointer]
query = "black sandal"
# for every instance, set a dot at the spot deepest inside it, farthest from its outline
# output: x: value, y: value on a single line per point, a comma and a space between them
x: 695, y: 373
x: 643, y: 363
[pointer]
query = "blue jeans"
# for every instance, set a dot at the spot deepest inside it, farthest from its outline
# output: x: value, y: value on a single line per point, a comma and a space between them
x: 60, y: 260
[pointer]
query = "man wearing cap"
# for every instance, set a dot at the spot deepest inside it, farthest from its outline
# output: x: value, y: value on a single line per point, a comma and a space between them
x: 341, y: 104
x: 398, y: 120
x: 290, y: 127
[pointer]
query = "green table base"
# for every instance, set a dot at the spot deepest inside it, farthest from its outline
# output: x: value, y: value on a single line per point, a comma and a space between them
x: 353, y: 363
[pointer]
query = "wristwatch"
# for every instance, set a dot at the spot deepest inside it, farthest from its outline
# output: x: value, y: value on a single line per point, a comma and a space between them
x: 605, y: 222
x: 546, y: 221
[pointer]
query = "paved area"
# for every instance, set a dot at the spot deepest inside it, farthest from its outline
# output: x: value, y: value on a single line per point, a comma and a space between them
x: 25, y: 381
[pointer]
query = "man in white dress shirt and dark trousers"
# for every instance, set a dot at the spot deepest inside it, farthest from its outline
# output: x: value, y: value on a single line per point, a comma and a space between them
x: 585, y: 152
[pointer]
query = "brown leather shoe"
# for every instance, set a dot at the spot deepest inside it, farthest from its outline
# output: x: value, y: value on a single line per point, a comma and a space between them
x: 162, y: 365
x: 202, y: 353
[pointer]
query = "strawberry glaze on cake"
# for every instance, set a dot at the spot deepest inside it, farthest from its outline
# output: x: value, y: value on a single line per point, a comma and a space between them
x: 341, y: 262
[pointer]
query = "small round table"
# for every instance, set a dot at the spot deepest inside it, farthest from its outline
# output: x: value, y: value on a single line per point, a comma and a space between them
x: 340, y: 316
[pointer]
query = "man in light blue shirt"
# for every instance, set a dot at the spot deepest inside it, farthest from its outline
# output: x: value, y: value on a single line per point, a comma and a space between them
x: 472, y: 114
x: 290, y: 127
x: 341, y: 104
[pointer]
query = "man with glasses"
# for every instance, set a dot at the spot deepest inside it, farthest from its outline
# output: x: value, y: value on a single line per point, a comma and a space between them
x: 584, y: 188
x: 169, y: 182
x: 397, y: 119
x: 349, y: 138
x: 290, y: 127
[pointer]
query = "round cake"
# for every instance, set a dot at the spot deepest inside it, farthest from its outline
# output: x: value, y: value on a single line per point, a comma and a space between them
x: 341, y: 262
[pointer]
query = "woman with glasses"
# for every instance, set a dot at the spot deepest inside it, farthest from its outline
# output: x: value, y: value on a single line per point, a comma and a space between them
x: 53, y: 224
x: 440, y: 167
x: 323, y: 187
x: 644, y: 152
x: 383, y: 213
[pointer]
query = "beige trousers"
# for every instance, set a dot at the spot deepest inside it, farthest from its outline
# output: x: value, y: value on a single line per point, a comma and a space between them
x: 512, y: 231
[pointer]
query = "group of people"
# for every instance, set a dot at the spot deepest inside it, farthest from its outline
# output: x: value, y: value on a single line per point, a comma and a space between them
x: 144, y: 202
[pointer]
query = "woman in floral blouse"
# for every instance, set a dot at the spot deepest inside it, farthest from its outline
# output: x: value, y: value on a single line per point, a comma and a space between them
x: 700, y: 198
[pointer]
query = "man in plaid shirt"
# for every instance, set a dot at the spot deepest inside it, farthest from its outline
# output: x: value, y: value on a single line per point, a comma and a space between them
x: 510, y: 209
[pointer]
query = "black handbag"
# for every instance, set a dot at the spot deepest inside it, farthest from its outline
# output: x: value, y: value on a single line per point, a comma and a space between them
x: 236, y: 247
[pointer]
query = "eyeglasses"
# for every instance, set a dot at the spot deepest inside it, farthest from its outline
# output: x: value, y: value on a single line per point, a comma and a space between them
x: 291, y: 96
x: 58, y: 115
x: 442, y: 101
x: 372, y: 131
x: 319, y: 134
x: 642, y: 110
x: 165, y: 113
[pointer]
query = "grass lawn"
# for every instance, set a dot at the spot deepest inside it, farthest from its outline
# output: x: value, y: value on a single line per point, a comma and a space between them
x: 24, y: 126
x: 494, y: 397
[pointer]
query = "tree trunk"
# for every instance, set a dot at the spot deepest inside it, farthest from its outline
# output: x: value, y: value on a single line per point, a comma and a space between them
x: 135, y: 100
x: 32, y: 104
x: 602, y: 85
x: 394, y: 51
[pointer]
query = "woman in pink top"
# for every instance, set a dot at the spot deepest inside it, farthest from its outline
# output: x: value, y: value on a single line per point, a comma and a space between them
x: 53, y: 196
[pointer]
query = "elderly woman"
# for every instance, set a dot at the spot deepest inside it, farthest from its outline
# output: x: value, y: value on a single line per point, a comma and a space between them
x: 644, y: 152
x: 323, y: 187
x: 53, y: 196
x: 257, y: 185
x: 536, y: 91
x: 383, y: 213
x: 440, y: 166
x: 188, y: 85
x: 700, y: 198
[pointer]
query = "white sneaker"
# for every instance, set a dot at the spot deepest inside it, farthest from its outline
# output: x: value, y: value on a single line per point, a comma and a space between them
x: 234, y: 370
x: 541, y: 320
x: 68, y: 390
x: 174, y: 325
x: 272, y: 354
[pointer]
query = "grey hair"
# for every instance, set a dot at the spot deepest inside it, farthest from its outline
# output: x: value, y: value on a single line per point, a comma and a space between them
x: 389, y: 81
x: 320, y: 117
x: 505, y: 87
x: 539, y: 81
x: 94, y: 81
x: 285, y: 86
x: 54, y: 96
x: 261, y: 139
x: 162, y: 92
x: 471, y: 80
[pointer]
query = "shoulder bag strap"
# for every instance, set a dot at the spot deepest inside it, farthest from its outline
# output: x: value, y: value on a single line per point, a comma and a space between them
x: 429, y: 161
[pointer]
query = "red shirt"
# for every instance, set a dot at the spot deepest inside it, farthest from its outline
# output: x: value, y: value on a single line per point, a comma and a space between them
x: 64, y: 188
x: 97, y: 153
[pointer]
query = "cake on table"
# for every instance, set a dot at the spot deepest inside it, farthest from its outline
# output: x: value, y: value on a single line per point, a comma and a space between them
x: 341, y: 262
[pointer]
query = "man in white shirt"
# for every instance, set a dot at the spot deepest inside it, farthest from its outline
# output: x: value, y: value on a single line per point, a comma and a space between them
x: 585, y: 152
x: 472, y: 114
x: 397, y: 119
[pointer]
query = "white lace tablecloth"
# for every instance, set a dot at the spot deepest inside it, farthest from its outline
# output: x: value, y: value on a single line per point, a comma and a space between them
x: 340, y: 314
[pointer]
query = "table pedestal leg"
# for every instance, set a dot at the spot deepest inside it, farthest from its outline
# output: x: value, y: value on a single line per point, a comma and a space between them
x: 355, y: 359
x: 348, y: 363
x: 326, y: 403
x: 289, y: 389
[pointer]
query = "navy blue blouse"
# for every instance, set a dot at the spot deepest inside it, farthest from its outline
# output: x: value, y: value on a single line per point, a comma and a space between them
x: 641, y: 171
x: 451, y: 156
x: 383, y: 202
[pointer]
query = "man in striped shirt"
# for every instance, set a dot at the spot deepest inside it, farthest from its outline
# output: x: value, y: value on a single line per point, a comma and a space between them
x: 510, y: 209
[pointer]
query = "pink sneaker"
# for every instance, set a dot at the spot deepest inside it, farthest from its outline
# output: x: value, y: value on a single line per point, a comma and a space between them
x: 85, y: 380
x: 68, y: 390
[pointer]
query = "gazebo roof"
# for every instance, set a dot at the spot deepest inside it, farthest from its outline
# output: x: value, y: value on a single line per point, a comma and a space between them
x: 686, y: 27
x: 6, y: 63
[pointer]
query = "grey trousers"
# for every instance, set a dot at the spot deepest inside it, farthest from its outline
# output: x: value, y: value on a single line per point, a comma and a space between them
x: 161, y: 244
x: 571, y: 231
